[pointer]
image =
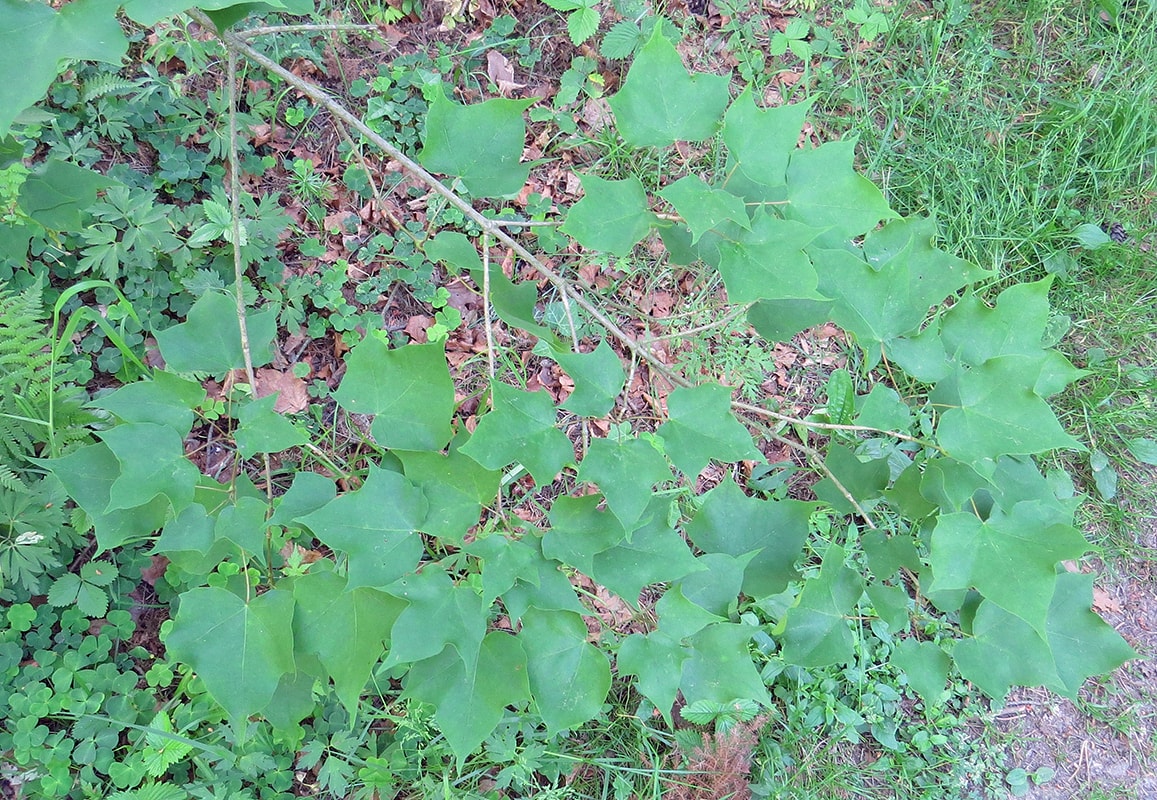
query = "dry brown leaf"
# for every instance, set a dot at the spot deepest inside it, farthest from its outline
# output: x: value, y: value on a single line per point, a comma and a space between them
x: 1103, y: 601
x: 500, y: 70
x: 292, y: 395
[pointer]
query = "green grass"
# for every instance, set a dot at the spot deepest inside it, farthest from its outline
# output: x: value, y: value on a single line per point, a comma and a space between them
x: 1012, y: 127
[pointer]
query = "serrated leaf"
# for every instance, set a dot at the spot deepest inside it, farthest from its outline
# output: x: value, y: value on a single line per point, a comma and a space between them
x: 654, y: 553
x: 769, y: 263
x: 92, y: 601
x: 701, y: 427
x: 761, y: 141
x: 470, y: 702
x: 36, y: 43
x: 1009, y: 558
x: 456, y: 488
x: 581, y: 24
x: 375, y: 526
x: 621, y: 40
x: 263, y: 430
x: 520, y: 427
x: 569, y: 677
x: 720, y: 668
x: 730, y: 522
x: 661, y: 102
x: 240, y: 650
x: 926, y: 666
x: 439, y: 613
x: 99, y: 573
x: 167, y: 399
x: 407, y: 389
x: 209, y: 340
x: 481, y: 144
x: 612, y: 216
x: 152, y: 463
x: 626, y: 470
x: 703, y: 207
x: 64, y: 590
x: 825, y: 191
x: 817, y: 632
x: 347, y: 630
x: 993, y: 410
x: 598, y: 380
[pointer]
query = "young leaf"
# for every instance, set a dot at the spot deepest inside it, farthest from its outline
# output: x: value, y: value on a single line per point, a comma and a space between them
x: 209, y: 340
x: 703, y: 207
x: 569, y: 677
x: 1010, y: 558
x: 408, y: 389
x: 470, y: 702
x: 612, y: 215
x: 582, y: 24
x: 481, y: 144
x: 621, y: 40
x: 661, y: 102
x: 728, y: 521
x: 598, y: 380
x: 520, y: 427
x: 239, y: 649
x: 376, y: 526
x: 825, y: 191
x: 701, y: 427
x: 817, y: 632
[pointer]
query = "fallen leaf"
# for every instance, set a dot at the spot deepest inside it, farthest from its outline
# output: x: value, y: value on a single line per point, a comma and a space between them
x: 292, y: 395
x: 499, y: 69
x: 1103, y: 601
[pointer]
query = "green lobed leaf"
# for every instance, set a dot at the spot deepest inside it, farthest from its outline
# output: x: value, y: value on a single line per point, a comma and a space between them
x: 243, y: 523
x: 579, y: 530
x: 761, y: 141
x: 240, y: 650
x: 972, y: 332
x: 263, y: 430
x: 470, y: 702
x: 926, y: 667
x: 456, y: 488
x: 166, y: 400
x: 520, y: 428
x: 598, y: 380
x: 701, y: 427
x: 817, y: 632
x: 864, y: 480
x: 209, y: 340
x: 716, y: 586
x: 407, y: 389
x: 882, y: 408
x: 569, y: 677
x: 721, y: 669
x: 375, y: 526
x: 780, y: 320
x: 730, y: 522
x: 825, y: 191
x: 661, y: 102
x: 88, y: 474
x: 612, y: 215
x: 481, y: 144
x: 152, y: 463
x: 36, y: 42
x: 626, y: 471
x: 654, y: 553
x: 347, y: 630
x: 769, y: 262
x: 517, y: 570
x: 1081, y: 642
x: 656, y: 661
x: 1010, y: 558
x: 439, y: 613
x: 703, y: 207
x: 58, y: 194
x: 1004, y: 651
x: 308, y: 492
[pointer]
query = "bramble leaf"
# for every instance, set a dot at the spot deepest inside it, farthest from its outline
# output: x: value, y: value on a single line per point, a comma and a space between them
x: 481, y: 144
x: 408, y: 389
x: 661, y: 102
x: 520, y: 427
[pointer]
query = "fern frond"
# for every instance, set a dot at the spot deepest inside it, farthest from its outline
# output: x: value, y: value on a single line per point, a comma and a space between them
x: 25, y: 352
x: 105, y: 83
x: 11, y: 481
